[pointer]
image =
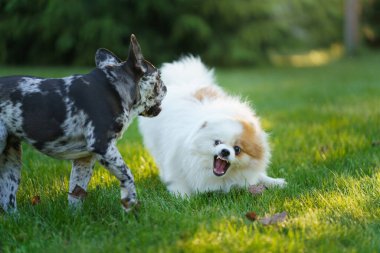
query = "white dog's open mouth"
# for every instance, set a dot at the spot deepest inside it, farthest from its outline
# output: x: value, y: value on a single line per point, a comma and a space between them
x: 220, y: 166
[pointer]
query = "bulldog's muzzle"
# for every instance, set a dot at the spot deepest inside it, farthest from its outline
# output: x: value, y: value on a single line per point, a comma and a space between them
x: 152, y: 112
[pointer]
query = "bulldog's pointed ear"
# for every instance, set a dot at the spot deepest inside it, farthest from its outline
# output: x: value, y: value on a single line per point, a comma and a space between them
x: 104, y: 57
x: 135, y: 57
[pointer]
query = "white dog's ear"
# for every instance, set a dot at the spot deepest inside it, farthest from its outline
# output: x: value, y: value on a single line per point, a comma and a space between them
x: 104, y: 57
x: 135, y: 58
x: 191, y: 137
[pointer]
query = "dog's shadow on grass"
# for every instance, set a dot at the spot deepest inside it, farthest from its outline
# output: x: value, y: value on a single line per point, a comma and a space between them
x: 103, y: 201
x: 175, y: 219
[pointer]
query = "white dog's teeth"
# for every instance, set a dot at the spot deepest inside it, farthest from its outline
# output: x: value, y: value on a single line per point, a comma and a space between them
x: 221, y: 158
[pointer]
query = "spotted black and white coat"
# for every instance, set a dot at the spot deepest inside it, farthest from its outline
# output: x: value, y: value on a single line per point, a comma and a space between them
x: 78, y: 118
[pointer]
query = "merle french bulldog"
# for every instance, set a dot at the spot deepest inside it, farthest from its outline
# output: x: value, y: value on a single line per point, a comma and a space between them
x: 78, y: 118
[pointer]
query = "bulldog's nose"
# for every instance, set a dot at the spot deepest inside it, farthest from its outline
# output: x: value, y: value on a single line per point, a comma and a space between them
x: 225, y: 153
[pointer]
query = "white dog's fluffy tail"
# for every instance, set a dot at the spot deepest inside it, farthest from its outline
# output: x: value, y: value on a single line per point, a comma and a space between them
x: 189, y: 71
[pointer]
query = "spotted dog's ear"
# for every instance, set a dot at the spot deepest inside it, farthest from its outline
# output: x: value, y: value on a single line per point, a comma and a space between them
x: 104, y: 57
x: 135, y: 59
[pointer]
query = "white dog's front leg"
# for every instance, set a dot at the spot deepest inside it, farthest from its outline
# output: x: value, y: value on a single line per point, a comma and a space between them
x: 272, y: 182
x: 178, y: 188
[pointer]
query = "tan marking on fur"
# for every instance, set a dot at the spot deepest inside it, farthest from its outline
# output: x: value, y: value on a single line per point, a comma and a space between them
x: 249, y: 143
x: 207, y: 93
x: 78, y: 193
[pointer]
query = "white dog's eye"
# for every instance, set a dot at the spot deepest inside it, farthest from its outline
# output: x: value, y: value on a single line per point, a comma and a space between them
x: 217, y: 142
x: 237, y: 150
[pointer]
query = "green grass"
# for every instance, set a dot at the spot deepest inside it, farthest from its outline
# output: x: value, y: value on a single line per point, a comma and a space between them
x: 322, y: 121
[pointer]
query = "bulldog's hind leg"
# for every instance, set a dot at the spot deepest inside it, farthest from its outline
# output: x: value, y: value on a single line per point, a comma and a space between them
x: 80, y: 177
x: 10, y: 171
x: 3, y: 136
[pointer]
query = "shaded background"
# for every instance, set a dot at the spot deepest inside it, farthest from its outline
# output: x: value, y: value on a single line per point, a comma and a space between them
x: 223, y: 33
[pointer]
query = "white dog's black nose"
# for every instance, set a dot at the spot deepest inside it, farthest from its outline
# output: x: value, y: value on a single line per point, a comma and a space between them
x: 225, y: 153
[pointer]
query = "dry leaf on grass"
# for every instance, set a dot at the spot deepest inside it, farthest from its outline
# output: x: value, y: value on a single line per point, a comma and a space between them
x: 78, y: 193
x: 36, y: 200
x: 252, y: 216
x: 274, y: 219
x: 257, y: 189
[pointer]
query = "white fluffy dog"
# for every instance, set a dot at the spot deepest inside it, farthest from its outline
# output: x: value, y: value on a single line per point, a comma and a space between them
x: 203, y: 139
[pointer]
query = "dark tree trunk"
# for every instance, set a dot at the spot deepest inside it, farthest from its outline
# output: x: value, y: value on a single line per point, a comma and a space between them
x: 351, y: 26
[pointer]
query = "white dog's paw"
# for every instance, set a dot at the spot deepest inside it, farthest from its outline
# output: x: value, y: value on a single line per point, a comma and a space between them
x: 272, y: 182
x: 279, y: 182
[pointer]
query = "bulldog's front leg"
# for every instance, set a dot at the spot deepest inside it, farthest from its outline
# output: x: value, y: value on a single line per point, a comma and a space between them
x: 113, y: 162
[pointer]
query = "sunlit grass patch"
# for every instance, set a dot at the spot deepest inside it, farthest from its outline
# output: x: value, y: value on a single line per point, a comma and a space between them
x: 316, y: 57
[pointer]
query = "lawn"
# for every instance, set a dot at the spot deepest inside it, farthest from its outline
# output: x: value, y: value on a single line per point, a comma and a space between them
x: 324, y: 126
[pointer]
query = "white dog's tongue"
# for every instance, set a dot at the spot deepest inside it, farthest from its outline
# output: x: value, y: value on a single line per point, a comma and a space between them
x: 220, y: 166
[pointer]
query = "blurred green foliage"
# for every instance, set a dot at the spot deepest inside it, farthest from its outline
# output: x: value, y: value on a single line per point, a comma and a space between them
x: 223, y: 32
